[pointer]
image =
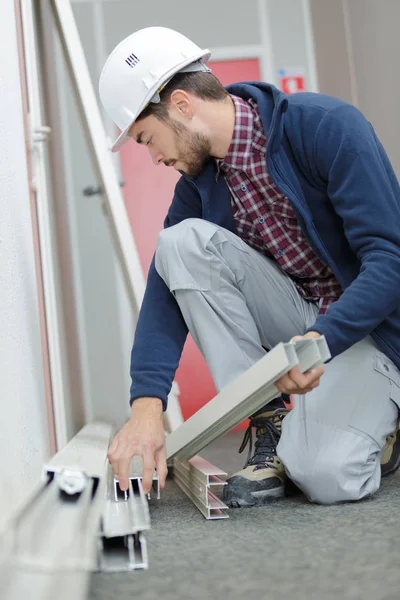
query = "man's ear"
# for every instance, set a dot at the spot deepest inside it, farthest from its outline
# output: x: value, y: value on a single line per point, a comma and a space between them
x: 181, y: 103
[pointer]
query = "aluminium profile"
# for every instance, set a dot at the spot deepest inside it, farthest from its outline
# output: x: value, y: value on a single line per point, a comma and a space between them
x: 55, y: 530
x: 195, y: 478
x: 306, y: 351
x: 244, y: 396
x: 20, y: 583
x: 52, y: 540
x: 200, y: 475
x: 57, y: 527
x: 122, y: 546
x: 85, y: 453
x: 128, y: 515
x: 206, y: 472
x: 212, y: 510
x: 120, y: 554
x: 136, y: 472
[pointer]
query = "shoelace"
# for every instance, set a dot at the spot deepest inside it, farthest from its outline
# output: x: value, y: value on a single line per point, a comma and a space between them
x: 266, y: 442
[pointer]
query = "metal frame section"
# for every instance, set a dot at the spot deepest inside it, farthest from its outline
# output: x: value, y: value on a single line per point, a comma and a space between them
x: 350, y: 54
x: 312, y: 354
x: 268, y: 71
x: 127, y: 553
x: 85, y: 454
x: 52, y: 322
x: 136, y: 472
x: 105, y: 169
x: 247, y: 394
x: 195, y: 478
x: 125, y: 514
x: 57, y: 531
x: 67, y: 506
x: 122, y: 546
x: 310, y: 47
x: 204, y: 473
x: 54, y: 537
x: 21, y: 584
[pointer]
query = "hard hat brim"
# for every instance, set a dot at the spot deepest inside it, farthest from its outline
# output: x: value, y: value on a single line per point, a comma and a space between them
x: 124, y: 137
x: 121, y: 139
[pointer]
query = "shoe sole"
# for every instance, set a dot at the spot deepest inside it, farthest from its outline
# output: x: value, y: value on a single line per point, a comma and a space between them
x: 394, y: 462
x: 260, y: 498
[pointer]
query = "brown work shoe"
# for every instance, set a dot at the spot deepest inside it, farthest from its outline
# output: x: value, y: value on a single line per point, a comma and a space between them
x: 263, y: 477
x: 390, y: 459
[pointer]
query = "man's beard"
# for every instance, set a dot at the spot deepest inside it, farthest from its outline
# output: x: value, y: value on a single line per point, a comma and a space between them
x: 193, y: 149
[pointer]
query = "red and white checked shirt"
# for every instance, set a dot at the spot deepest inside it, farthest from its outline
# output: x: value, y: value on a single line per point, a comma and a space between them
x: 264, y: 217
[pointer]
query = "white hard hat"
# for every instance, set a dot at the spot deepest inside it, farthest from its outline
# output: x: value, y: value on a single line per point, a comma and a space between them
x: 139, y: 67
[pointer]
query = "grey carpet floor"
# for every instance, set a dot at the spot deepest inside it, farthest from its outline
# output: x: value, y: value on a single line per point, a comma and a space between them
x: 289, y: 549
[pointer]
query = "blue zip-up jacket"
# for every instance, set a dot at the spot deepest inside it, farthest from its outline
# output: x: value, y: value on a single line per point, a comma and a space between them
x: 326, y: 158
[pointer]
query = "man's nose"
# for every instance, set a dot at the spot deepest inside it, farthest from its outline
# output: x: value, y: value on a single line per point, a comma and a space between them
x: 157, y: 157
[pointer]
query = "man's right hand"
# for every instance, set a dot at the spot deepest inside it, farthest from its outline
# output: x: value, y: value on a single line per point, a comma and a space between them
x: 143, y: 435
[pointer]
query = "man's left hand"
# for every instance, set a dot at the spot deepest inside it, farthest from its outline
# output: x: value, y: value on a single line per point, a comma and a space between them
x: 295, y: 382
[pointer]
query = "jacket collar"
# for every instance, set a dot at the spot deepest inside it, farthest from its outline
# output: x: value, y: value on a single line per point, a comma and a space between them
x: 272, y: 104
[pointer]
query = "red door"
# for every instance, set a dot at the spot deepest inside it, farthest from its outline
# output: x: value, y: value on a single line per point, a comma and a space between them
x: 148, y: 192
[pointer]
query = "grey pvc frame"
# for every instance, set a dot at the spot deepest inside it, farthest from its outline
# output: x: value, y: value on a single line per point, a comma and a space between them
x: 247, y: 394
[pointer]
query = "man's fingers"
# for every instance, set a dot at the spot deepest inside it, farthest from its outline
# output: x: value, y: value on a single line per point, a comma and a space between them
x: 316, y: 372
x: 148, y: 471
x: 114, y: 466
x: 305, y: 379
x: 161, y: 466
x: 113, y: 447
x: 295, y: 382
x: 121, y: 470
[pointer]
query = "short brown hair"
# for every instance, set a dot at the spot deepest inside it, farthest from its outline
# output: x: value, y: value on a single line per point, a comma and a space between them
x: 202, y: 84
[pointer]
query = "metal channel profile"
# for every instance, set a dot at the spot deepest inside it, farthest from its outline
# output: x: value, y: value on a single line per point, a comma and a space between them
x: 54, y: 537
x: 312, y: 354
x: 20, y: 584
x: 119, y: 554
x: 86, y: 453
x: 136, y: 472
x: 195, y: 478
x: 247, y: 394
x: 57, y: 529
x: 126, y: 515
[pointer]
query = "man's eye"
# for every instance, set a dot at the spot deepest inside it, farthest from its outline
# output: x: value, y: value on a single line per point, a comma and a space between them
x: 149, y: 141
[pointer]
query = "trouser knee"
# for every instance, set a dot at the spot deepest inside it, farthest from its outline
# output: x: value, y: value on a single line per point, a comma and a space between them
x: 182, y: 258
x: 332, y: 473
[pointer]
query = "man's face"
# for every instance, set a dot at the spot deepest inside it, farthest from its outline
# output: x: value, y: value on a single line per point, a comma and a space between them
x: 173, y: 144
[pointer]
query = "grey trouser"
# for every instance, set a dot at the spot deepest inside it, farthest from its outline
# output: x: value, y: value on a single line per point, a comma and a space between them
x: 235, y: 300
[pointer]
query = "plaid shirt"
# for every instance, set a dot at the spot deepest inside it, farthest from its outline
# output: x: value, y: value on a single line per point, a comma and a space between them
x: 264, y: 217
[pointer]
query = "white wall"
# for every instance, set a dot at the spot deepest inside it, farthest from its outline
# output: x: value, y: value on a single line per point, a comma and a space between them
x: 209, y: 23
x: 287, y: 36
x: 23, y: 431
